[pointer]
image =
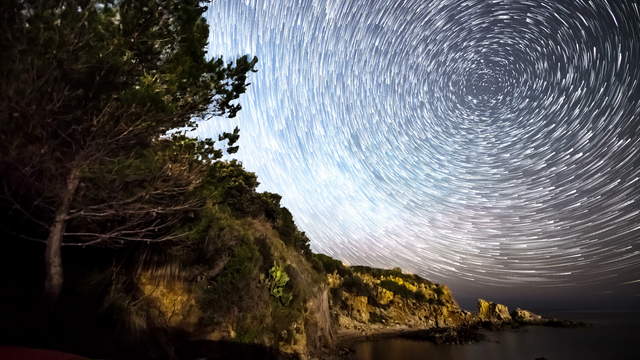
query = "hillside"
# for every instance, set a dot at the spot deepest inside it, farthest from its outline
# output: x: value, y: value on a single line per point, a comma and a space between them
x: 245, y: 273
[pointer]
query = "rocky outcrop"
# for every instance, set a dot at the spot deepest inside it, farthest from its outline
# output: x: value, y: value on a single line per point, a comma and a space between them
x: 498, y: 315
x: 367, y: 301
x: 492, y: 312
x: 526, y: 317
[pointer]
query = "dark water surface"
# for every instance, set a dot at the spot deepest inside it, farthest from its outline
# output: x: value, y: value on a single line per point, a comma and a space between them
x: 612, y: 336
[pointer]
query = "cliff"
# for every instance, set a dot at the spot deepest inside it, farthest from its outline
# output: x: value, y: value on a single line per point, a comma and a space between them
x: 367, y: 301
x: 243, y: 290
x: 266, y: 293
x: 301, y: 306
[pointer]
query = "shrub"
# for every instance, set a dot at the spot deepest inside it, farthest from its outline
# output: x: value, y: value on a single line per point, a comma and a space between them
x: 395, y: 272
x: 316, y: 264
x: 402, y: 290
x: 278, y: 280
x: 353, y: 284
x: 331, y: 265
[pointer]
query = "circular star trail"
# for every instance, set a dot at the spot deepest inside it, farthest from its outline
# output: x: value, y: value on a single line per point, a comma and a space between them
x: 495, y: 142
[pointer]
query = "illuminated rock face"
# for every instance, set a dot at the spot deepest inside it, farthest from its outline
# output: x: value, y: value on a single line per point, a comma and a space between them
x: 369, y: 301
x: 358, y: 308
x: 495, y: 313
x: 526, y: 316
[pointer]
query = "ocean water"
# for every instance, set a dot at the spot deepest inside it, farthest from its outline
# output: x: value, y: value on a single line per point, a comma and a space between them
x: 611, y: 336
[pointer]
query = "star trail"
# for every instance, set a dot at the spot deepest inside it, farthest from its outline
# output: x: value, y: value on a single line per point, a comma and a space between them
x: 487, y: 142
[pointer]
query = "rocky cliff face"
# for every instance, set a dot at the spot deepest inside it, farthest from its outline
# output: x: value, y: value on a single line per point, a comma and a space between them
x: 368, y: 301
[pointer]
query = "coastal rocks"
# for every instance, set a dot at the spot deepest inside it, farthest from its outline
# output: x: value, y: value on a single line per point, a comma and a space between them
x: 368, y: 303
x: 458, y: 335
x: 526, y: 317
x: 371, y: 302
x: 497, y: 316
x: 492, y: 312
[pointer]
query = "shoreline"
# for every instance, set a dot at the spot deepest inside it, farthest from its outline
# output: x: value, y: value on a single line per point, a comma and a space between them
x: 347, y: 339
x: 461, y: 335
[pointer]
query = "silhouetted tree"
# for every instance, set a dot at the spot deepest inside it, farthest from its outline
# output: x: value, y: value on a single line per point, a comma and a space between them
x: 90, y: 92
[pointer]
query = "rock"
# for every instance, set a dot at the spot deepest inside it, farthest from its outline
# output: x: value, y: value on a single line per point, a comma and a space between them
x: 492, y: 312
x: 358, y: 308
x: 525, y: 316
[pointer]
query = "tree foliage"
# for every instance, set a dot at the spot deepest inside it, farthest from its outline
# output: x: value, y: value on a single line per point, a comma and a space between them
x: 90, y: 92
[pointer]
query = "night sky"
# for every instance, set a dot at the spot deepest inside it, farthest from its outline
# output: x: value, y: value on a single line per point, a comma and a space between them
x: 492, y: 145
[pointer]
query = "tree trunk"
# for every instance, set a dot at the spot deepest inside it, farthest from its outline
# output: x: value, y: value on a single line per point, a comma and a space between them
x: 53, y: 257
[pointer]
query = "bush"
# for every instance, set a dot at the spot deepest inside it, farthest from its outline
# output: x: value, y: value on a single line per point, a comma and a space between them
x: 316, y: 264
x: 353, y: 284
x: 331, y: 265
x: 402, y: 290
x: 278, y: 280
x: 395, y: 272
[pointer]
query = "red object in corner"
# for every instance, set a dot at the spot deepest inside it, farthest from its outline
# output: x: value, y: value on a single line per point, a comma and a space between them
x: 19, y: 353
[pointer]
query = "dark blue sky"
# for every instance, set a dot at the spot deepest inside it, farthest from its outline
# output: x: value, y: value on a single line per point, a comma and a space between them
x: 489, y: 145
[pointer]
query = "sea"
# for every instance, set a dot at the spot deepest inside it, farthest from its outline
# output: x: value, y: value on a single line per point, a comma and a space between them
x: 609, y: 336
